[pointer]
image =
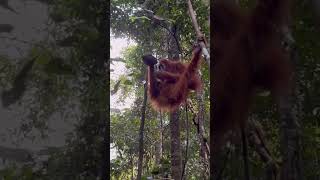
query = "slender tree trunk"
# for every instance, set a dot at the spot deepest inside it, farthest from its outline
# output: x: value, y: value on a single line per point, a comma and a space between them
x: 245, y: 153
x: 158, y: 145
x: 161, y: 134
x: 106, y: 146
x: 176, y: 163
x: 104, y: 68
x: 132, y: 167
x: 289, y: 143
x: 158, y: 151
x: 204, y: 149
x: 185, y: 160
x: 289, y: 108
x: 141, y: 131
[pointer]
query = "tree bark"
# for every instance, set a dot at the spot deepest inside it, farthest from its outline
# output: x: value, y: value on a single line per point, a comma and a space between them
x: 158, y: 145
x: 289, y: 108
x: 289, y: 142
x: 141, y: 131
x: 176, y: 163
x: 245, y: 153
x: 185, y: 159
x: 201, y: 133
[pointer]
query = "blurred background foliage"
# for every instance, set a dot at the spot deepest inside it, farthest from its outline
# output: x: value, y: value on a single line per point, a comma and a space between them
x: 58, y: 81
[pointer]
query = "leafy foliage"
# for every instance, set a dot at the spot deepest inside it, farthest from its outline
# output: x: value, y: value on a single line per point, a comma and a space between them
x: 150, y: 32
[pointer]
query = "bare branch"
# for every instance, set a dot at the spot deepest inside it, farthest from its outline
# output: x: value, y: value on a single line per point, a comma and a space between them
x: 198, y: 32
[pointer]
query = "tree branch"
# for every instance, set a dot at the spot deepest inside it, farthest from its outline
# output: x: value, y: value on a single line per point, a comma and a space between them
x: 198, y: 32
x: 162, y: 22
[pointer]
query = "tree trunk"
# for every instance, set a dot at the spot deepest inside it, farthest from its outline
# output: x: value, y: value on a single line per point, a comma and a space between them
x: 289, y: 143
x: 103, y: 69
x: 289, y: 108
x: 185, y: 159
x: 141, y: 131
x: 132, y: 166
x: 158, y: 145
x: 204, y: 148
x: 176, y: 163
x: 161, y: 134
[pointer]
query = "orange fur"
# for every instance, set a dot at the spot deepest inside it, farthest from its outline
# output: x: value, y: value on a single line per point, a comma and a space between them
x: 169, y: 87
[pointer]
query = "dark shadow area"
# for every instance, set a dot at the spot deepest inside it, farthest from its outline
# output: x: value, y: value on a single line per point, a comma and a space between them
x: 54, y: 86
